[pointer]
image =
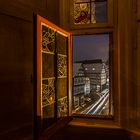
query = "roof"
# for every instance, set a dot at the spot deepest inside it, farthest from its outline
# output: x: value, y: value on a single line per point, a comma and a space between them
x: 90, y: 61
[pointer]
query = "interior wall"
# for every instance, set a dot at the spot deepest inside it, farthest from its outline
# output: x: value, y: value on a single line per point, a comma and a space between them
x: 15, y: 72
x: 128, y: 34
x: 16, y: 60
x: 138, y: 62
x: 123, y: 63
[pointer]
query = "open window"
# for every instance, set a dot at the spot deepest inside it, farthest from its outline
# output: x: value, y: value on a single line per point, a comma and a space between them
x: 91, y: 74
x: 72, y: 74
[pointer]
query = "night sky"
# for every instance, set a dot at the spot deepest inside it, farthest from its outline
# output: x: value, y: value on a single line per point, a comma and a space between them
x: 88, y: 47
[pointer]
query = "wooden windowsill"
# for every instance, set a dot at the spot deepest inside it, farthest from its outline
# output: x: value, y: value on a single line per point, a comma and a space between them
x: 98, y: 123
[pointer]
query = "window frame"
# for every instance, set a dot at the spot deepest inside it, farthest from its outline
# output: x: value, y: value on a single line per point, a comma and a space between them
x: 99, y: 24
x: 67, y: 14
x: 37, y: 40
x: 110, y: 26
x: 111, y: 38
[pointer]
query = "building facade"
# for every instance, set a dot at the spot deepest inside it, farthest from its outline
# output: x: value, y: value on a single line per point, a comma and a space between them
x: 81, y: 86
x: 96, y: 71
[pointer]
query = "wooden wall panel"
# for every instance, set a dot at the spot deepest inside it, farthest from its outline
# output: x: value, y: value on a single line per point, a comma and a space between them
x: 138, y: 74
x: 16, y: 58
x: 52, y: 12
x: 138, y: 9
x: 23, y: 9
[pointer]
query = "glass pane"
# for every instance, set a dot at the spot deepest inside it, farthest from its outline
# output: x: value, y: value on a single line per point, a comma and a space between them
x: 47, y: 65
x: 62, y: 109
x: 101, y: 11
x: 90, y: 12
x: 48, y: 39
x: 82, y: 13
x: 62, y: 43
x: 62, y: 98
x: 91, y: 74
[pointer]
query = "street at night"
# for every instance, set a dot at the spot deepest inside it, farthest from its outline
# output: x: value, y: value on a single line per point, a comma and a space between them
x: 99, y: 104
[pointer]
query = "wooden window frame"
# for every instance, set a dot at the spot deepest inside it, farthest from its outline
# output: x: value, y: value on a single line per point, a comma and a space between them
x: 66, y: 16
x: 38, y: 22
x: 111, y: 37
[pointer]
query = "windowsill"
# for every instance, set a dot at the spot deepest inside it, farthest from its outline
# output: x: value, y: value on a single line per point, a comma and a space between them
x: 134, y: 131
x: 96, y: 123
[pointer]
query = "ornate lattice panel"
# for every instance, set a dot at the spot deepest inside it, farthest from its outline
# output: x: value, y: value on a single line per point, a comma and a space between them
x: 62, y: 107
x: 62, y: 65
x: 48, y: 98
x: 48, y: 76
x: 48, y: 39
x: 48, y: 92
x: 62, y: 90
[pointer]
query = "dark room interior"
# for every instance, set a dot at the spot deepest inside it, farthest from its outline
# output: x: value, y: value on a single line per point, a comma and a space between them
x: 28, y: 68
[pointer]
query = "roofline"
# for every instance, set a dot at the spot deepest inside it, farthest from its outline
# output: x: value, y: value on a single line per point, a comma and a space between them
x: 90, y: 61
